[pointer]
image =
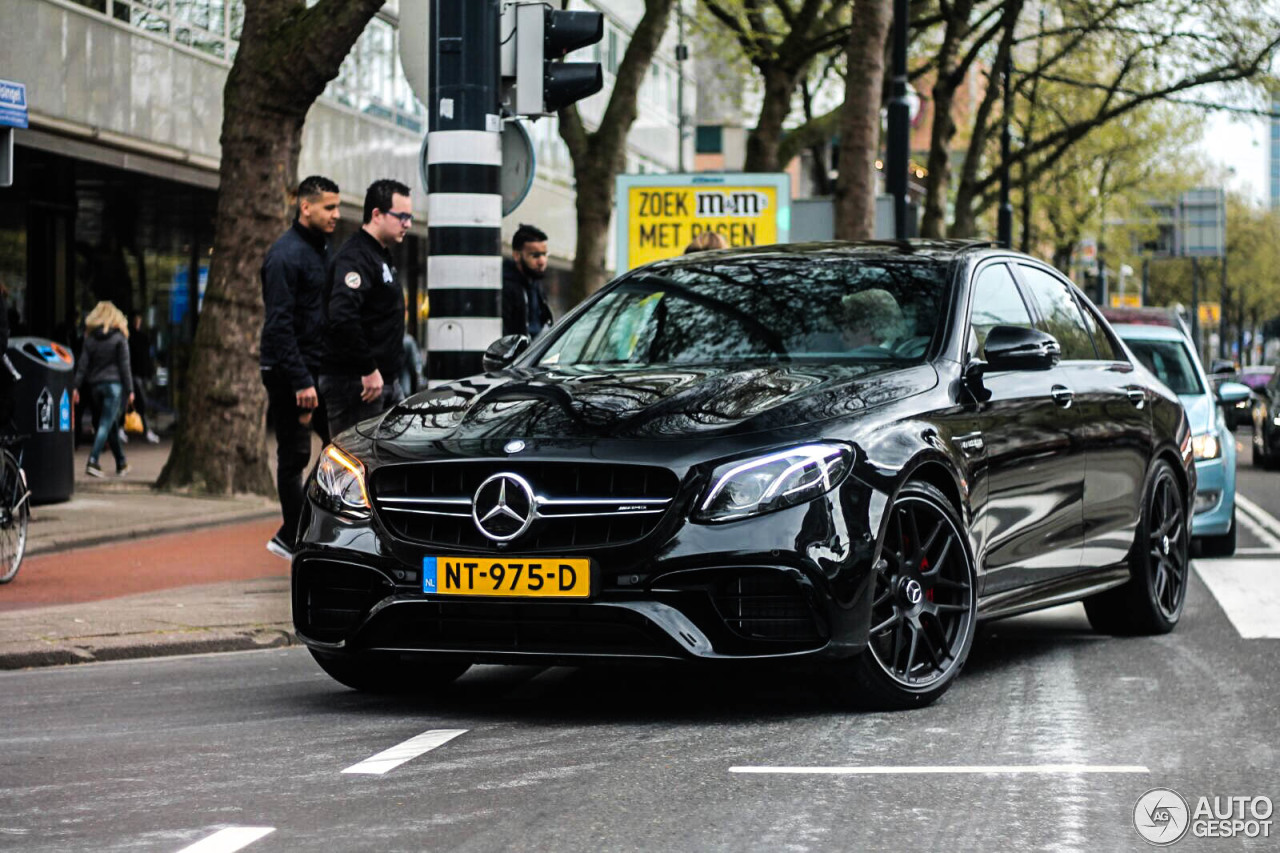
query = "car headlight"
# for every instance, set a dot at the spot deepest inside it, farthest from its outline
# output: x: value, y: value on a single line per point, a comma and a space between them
x: 339, y: 484
x: 1206, y: 446
x: 776, y: 481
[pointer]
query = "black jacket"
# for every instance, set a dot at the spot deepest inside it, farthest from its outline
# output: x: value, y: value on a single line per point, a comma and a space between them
x: 104, y: 358
x: 294, y: 280
x: 140, y: 354
x: 516, y: 289
x: 365, y: 327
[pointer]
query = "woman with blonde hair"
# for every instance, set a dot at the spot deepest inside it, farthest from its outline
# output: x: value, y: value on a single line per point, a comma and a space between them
x: 104, y: 364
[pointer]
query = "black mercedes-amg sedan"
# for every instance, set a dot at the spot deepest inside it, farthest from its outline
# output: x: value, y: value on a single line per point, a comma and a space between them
x: 844, y: 454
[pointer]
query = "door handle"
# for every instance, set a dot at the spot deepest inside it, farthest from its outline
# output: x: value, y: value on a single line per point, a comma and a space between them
x: 1061, y: 395
x: 1137, y: 396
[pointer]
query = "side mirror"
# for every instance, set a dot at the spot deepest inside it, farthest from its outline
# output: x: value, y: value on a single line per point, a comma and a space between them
x: 1231, y: 393
x: 503, y: 351
x: 1020, y: 348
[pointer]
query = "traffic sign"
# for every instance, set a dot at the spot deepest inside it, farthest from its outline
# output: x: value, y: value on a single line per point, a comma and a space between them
x: 1210, y: 313
x: 659, y: 214
x: 518, y: 165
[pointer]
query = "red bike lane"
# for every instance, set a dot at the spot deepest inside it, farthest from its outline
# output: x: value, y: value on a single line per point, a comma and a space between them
x: 209, y: 555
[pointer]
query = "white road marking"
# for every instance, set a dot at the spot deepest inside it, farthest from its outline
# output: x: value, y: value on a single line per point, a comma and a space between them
x: 229, y: 840
x: 1249, y: 593
x: 978, y: 769
x: 1259, y: 522
x: 395, y: 756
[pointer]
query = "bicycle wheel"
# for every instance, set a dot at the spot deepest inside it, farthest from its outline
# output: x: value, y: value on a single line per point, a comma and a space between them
x: 15, y: 512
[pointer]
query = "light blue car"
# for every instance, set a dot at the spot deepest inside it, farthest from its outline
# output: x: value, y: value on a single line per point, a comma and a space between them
x: 1167, y: 352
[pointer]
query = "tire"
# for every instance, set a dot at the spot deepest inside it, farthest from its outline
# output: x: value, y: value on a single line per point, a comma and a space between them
x: 1220, y: 546
x: 1151, y: 601
x: 13, y: 522
x: 924, y: 608
x: 388, y: 674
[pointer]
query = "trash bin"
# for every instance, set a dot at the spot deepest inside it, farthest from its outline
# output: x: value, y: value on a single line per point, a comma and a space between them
x: 42, y: 411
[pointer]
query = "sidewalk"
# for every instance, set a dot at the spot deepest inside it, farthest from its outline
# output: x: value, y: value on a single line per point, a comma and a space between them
x: 122, y: 571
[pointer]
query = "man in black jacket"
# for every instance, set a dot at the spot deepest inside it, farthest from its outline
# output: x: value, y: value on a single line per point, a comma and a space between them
x: 524, y: 304
x: 364, y: 334
x: 294, y: 280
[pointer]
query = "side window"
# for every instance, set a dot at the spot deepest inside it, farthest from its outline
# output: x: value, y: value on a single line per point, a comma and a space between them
x: 1061, y: 315
x: 1107, y: 351
x: 996, y: 302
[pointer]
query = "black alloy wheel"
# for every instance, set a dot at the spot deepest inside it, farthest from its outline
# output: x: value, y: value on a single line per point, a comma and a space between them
x: 924, y: 608
x: 388, y: 674
x: 1151, y: 601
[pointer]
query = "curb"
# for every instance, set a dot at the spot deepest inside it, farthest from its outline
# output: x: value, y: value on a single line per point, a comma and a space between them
x: 71, y: 542
x: 148, y: 646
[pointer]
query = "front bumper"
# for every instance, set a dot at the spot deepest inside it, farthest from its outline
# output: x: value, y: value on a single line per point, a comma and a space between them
x: 1215, y: 495
x: 794, y: 583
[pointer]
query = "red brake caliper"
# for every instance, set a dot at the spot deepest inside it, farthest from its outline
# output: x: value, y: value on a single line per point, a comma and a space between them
x: 924, y: 567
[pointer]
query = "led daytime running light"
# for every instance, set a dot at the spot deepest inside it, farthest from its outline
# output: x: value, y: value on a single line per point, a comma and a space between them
x: 354, y: 466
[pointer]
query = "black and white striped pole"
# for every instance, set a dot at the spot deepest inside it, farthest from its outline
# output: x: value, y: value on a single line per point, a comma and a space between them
x: 464, y: 198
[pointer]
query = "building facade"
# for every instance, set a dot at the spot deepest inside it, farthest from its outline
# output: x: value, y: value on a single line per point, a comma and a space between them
x: 116, y: 178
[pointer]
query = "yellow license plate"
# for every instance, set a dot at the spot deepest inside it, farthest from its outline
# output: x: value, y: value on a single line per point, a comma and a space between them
x: 508, y: 577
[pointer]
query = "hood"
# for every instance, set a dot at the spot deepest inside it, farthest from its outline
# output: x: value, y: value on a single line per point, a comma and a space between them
x: 100, y: 335
x: 705, y: 402
x: 1201, y: 412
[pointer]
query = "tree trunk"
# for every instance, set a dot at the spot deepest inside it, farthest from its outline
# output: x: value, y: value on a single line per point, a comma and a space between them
x: 764, y: 139
x: 855, y: 211
x: 287, y: 54
x: 599, y: 157
x: 594, y: 210
x: 933, y: 219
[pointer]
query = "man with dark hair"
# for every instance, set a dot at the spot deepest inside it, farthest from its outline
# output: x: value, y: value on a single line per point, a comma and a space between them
x: 294, y: 280
x: 364, y: 334
x: 524, y: 304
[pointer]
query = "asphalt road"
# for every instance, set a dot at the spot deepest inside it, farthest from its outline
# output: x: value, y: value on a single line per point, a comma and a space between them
x: 1047, y: 742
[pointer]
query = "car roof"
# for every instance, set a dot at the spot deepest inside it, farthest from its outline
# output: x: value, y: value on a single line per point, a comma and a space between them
x: 914, y: 249
x: 1143, y: 332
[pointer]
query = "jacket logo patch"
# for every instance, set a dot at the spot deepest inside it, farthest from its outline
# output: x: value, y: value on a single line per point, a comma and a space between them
x: 386, y: 275
x: 352, y: 280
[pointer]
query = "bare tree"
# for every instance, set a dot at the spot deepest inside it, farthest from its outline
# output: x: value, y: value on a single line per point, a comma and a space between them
x: 286, y: 56
x: 781, y: 38
x: 599, y: 156
x: 1132, y: 53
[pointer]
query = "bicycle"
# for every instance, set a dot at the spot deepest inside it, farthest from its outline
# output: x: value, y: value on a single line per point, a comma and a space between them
x: 15, y: 507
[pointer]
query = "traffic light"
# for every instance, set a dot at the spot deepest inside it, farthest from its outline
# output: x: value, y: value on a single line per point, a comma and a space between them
x: 543, y: 36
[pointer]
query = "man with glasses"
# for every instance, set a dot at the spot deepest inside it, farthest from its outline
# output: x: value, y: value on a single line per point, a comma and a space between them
x: 364, y: 333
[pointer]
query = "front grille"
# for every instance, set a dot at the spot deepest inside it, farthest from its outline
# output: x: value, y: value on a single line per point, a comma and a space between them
x: 331, y: 597
x: 765, y: 605
x: 531, y: 628
x: 578, y: 505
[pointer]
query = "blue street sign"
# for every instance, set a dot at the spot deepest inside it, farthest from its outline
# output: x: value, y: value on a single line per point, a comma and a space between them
x: 13, y: 104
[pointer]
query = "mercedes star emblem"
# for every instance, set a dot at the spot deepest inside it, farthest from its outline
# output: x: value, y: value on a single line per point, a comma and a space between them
x: 914, y: 592
x: 503, y: 507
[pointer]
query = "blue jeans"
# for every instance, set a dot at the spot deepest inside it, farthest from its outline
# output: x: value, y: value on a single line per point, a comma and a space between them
x: 108, y: 398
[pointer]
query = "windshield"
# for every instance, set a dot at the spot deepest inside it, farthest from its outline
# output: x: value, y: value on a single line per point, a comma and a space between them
x: 760, y: 309
x: 1171, y: 362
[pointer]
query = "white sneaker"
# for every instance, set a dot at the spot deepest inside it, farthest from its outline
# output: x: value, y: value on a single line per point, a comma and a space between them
x: 122, y: 435
x: 151, y: 437
x: 277, y: 546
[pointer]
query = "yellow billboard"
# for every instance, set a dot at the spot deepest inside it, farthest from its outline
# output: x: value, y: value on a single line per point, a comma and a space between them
x: 658, y: 215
